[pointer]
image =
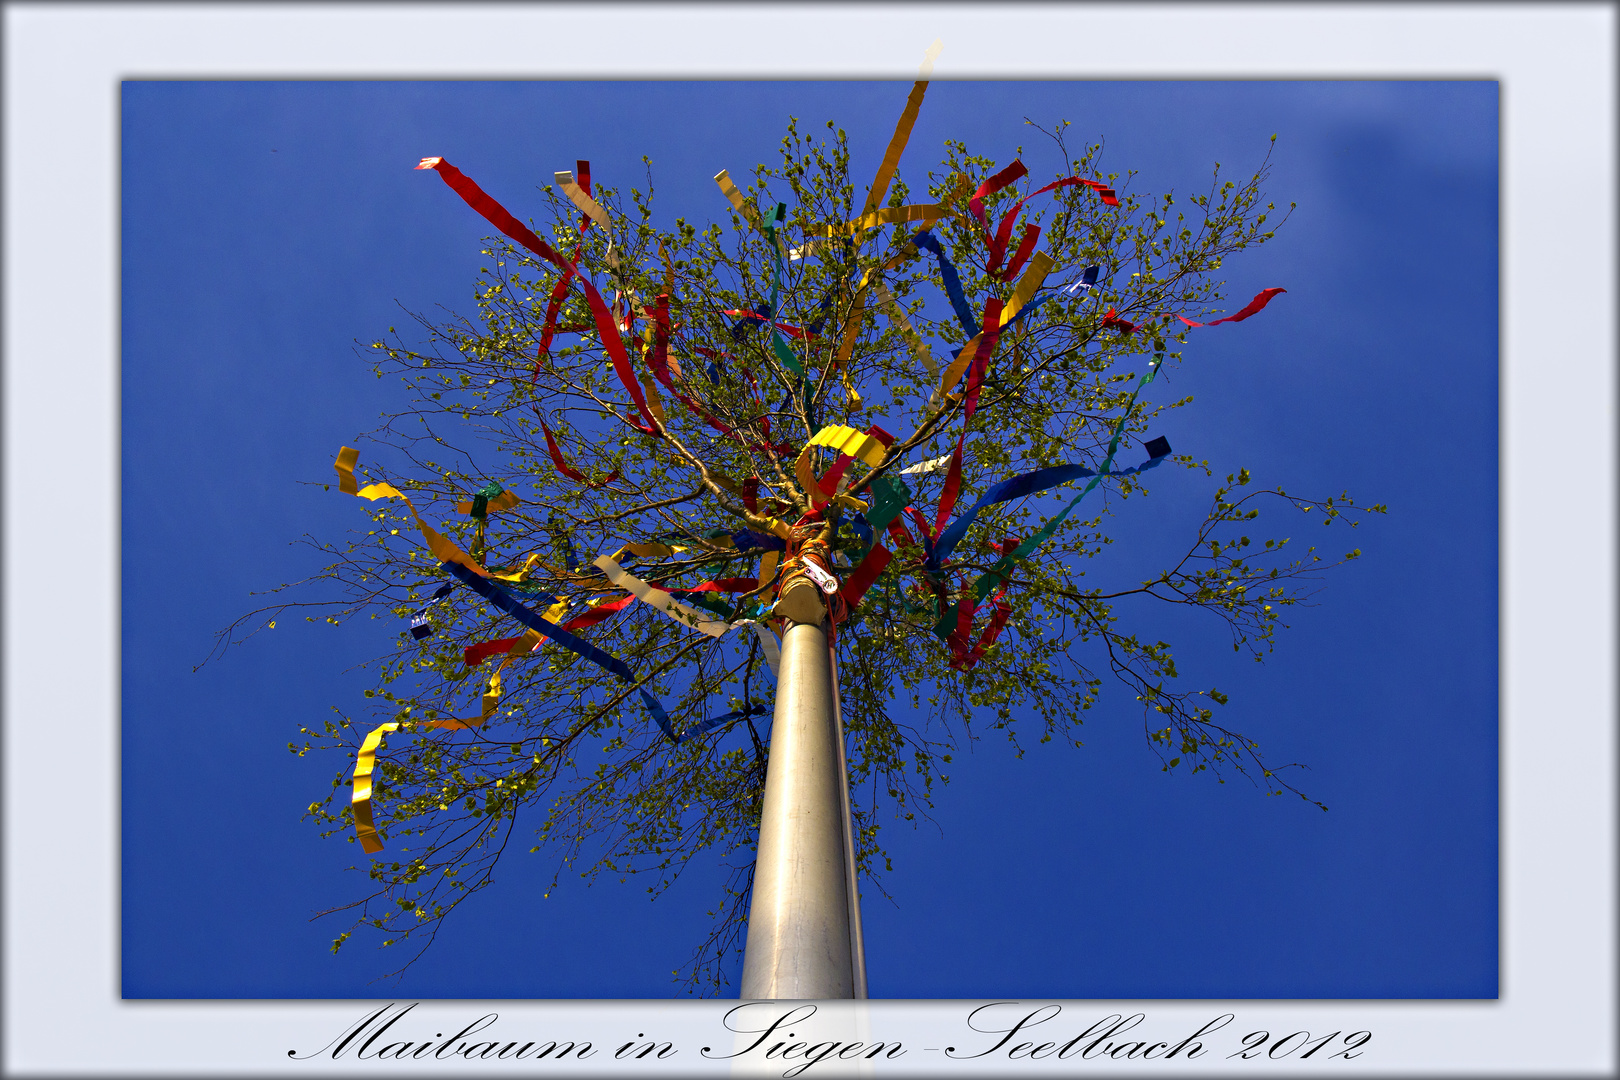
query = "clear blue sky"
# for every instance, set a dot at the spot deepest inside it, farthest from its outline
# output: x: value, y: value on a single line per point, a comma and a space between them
x: 266, y: 226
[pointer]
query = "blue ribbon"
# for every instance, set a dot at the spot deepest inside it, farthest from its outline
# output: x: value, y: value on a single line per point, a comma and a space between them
x: 561, y: 535
x: 953, y: 284
x: 551, y: 631
x: 1019, y: 486
x: 709, y: 725
x: 745, y: 323
x: 419, y: 622
x: 747, y: 539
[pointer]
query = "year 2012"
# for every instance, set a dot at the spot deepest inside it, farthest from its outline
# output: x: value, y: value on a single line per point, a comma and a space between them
x: 1338, y: 1043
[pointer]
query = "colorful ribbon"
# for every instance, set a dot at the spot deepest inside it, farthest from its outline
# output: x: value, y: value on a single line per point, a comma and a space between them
x: 440, y: 545
x: 660, y: 600
x: 1028, y: 484
x: 985, y: 335
x: 419, y: 622
x: 1003, y: 566
x: 702, y: 726
x: 1260, y: 300
x: 869, y: 446
x: 491, y: 498
x: 554, y: 633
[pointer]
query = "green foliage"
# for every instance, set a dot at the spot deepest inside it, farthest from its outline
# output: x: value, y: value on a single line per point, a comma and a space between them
x: 569, y: 750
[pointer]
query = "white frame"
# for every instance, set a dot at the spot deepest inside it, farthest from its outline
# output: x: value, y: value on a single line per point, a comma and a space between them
x: 63, y: 63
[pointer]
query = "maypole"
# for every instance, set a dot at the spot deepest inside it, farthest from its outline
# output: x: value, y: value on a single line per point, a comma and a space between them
x: 798, y: 487
x: 804, y: 919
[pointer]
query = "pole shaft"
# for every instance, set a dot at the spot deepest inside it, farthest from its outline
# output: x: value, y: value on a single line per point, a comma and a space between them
x: 798, y: 924
x: 857, y: 944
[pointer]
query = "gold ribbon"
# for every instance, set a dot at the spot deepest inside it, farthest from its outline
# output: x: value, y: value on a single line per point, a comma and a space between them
x: 898, y: 320
x: 1040, y: 264
x: 440, y: 545
x: 871, y: 214
x: 735, y: 197
x: 897, y: 145
x: 593, y: 210
x: 927, y: 213
x: 587, y: 205
x: 655, y: 597
x: 365, y: 762
x: 521, y: 574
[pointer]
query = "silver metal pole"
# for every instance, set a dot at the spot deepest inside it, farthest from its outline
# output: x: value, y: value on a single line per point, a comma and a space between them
x: 798, y: 924
x: 857, y: 943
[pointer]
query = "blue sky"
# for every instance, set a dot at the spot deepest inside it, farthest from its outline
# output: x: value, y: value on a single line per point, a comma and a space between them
x: 266, y: 226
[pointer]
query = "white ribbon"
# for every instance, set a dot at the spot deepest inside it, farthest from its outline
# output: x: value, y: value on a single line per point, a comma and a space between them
x: 696, y: 618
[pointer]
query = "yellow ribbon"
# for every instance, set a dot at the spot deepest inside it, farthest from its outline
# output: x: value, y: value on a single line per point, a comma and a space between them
x: 857, y: 444
x: 365, y: 762
x: 440, y: 545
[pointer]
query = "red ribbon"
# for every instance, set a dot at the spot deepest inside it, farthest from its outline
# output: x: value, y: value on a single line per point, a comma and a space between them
x: 797, y: 332
x: 998, y: 623
x: 981, y: 359
x: 606, y: 327
x: 1112, y: 321
x: 598, y: 613
x: 861, y: 578
x: 560, y: 290
x: 953, y: 487
x: 1261, y: 300
x: 994, y: 184
x: 998, y: 244
x: 828, y: 481
x: 568, y: 470
x: 1032, y: 233
x: 961, y: 657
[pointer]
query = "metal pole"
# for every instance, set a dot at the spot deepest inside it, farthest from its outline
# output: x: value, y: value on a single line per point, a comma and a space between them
x: 798, y: 924
x: 857, y: 944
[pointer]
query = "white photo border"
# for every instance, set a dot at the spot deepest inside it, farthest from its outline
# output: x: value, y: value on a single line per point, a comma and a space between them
x: 1556, y: 63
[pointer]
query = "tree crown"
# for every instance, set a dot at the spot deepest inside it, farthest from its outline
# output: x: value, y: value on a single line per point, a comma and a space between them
x: 949, y: 390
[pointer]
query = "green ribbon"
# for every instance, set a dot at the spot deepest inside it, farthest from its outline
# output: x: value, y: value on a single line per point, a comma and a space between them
x: 946, y: 625
x: 889, y: 497
x: 778, y: 345
x: 480, y: 501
